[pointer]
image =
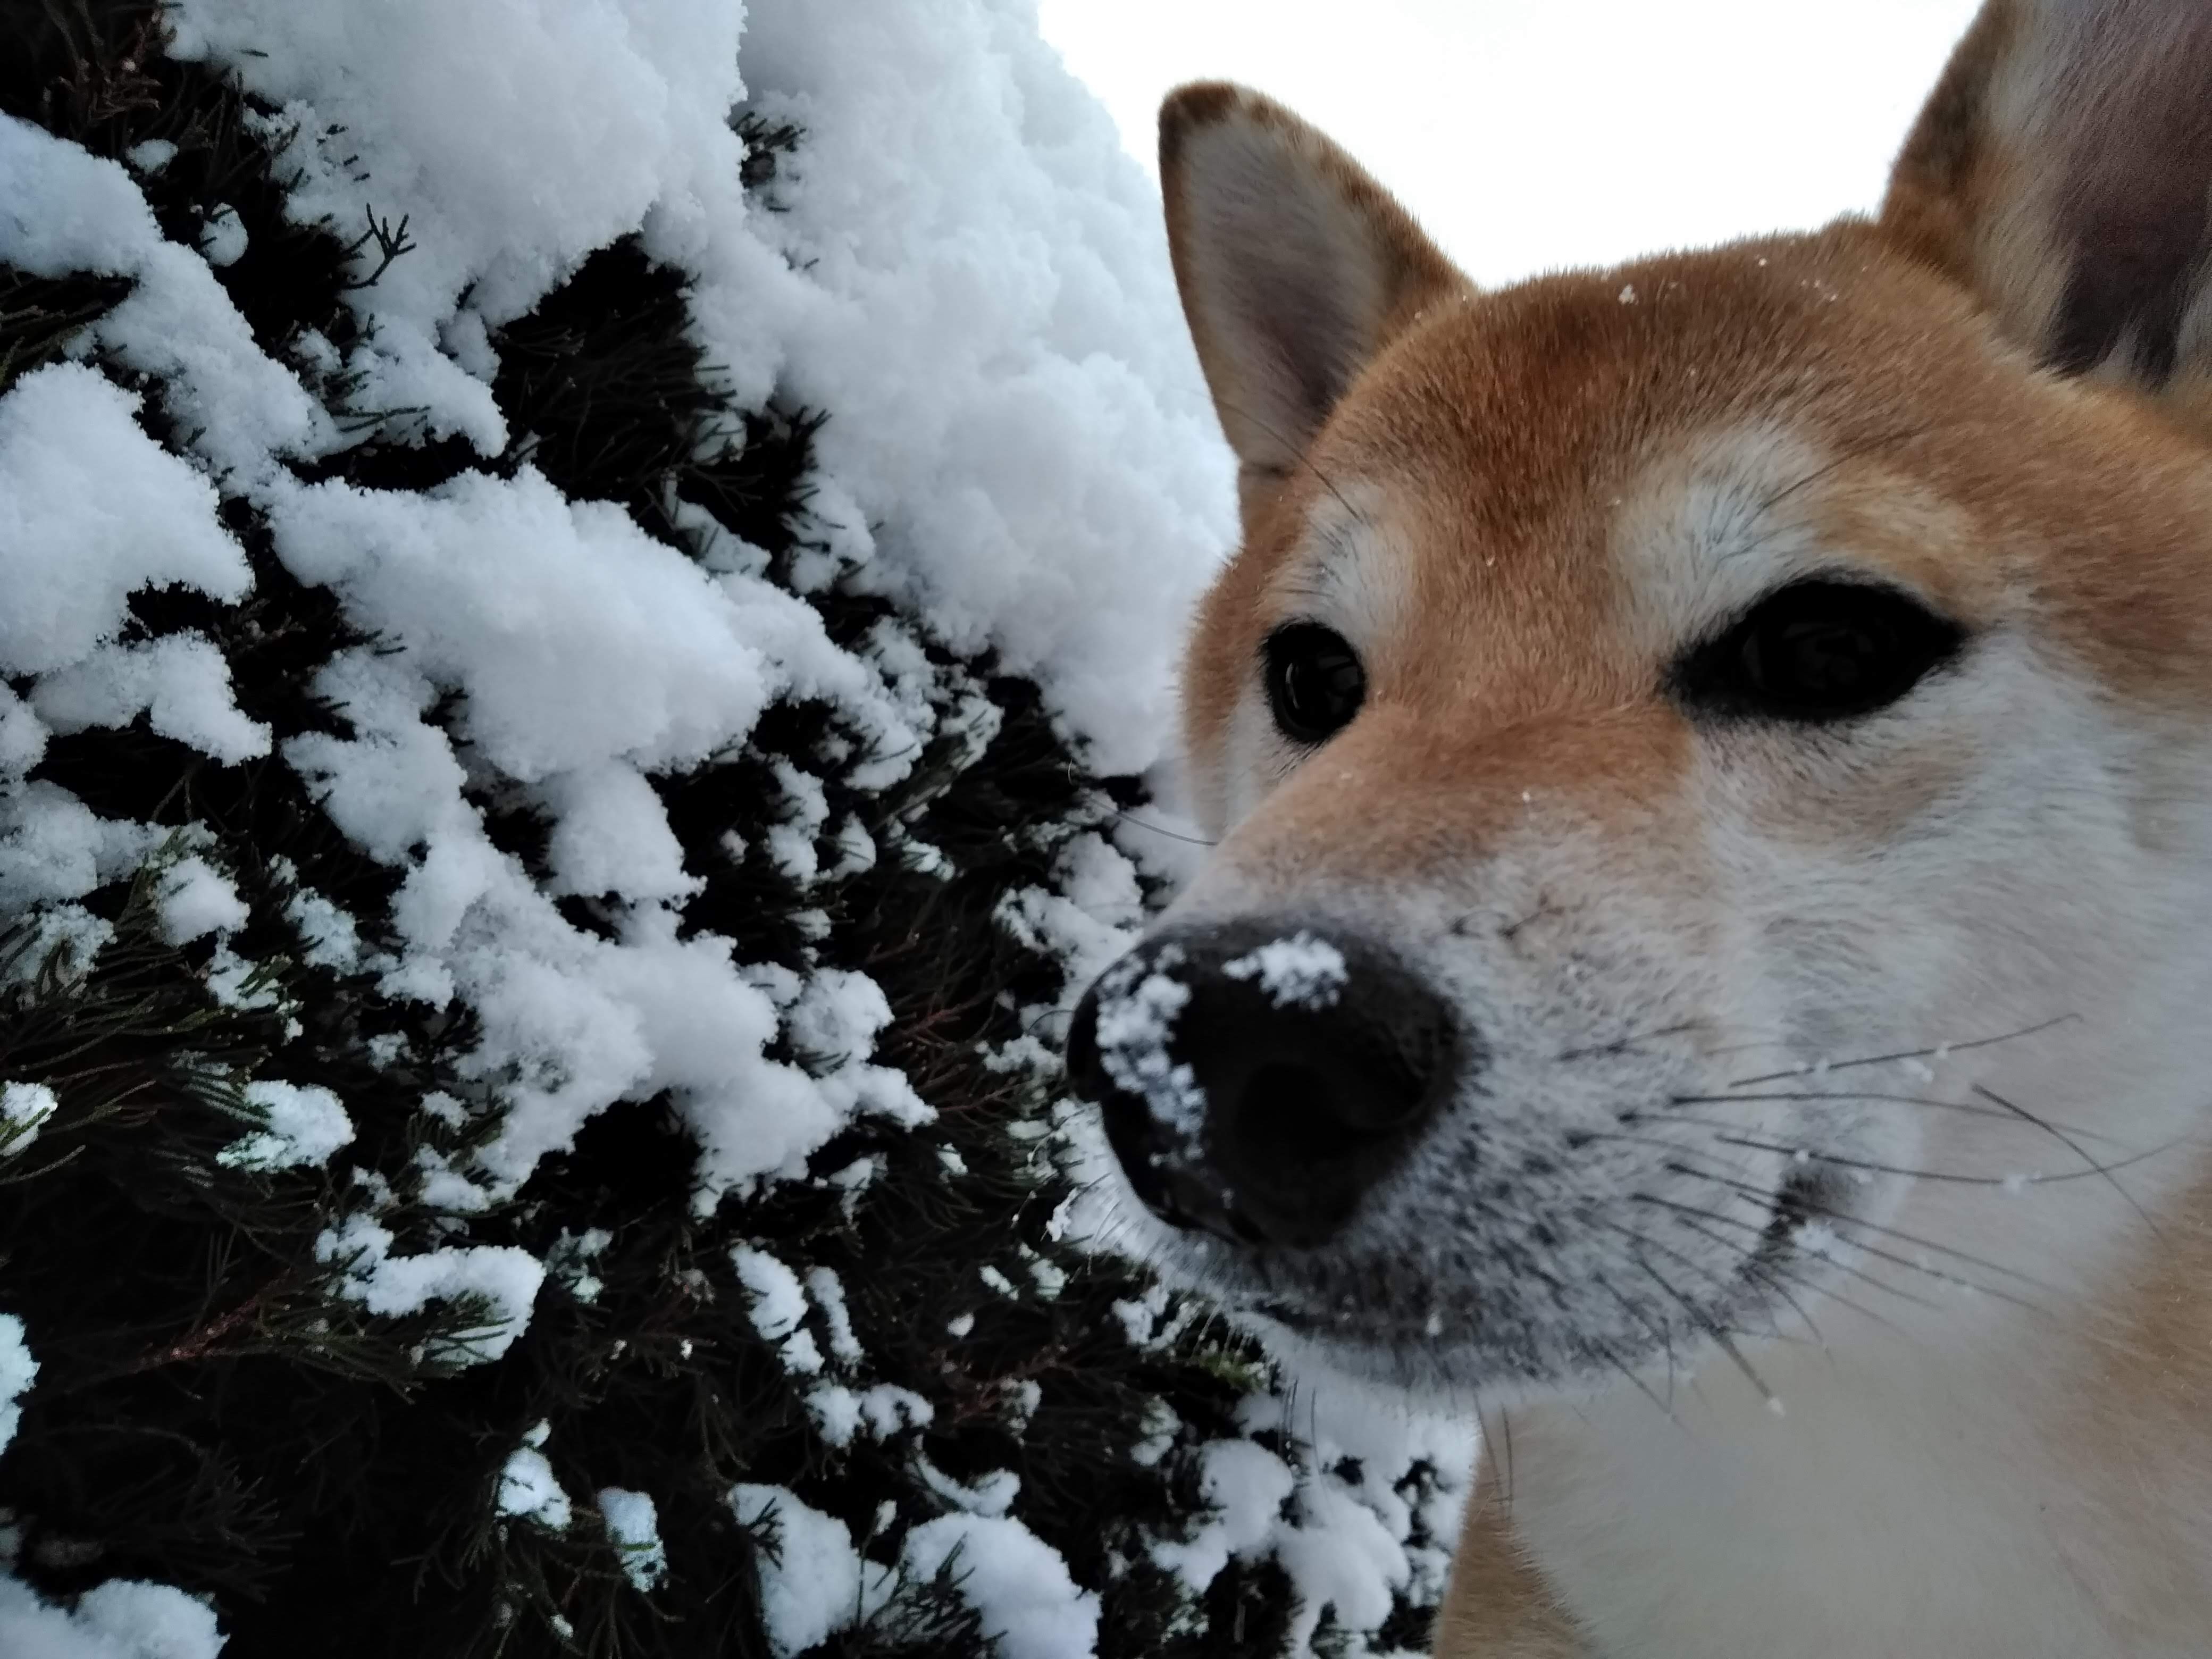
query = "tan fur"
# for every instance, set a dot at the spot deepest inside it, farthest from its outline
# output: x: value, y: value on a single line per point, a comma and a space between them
x: 1505, y: 459
x: 1498, y: 1605
x: 1407, y: 274
x: 1482, y: 397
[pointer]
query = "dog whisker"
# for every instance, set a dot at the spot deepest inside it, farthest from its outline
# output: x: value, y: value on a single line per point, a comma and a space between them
x: 1704, y: 1318
x: 1699, y: 1317
x: 1956, y: 1178
x: 1690, y: 1215
x: 1844, y: 1218
x: 1623, y: 1045
x: 1937, y: 1051
x: 1162, y: 830
x: 1801, y: 1097
x: 1660, y: 1334
x: 1606, y: 1352
x: 2072, y: 1146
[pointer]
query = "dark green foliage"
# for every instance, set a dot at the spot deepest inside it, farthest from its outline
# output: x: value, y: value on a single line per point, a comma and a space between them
x: 211, y: 1412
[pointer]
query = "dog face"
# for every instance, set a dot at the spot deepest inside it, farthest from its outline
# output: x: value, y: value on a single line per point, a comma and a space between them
x: 1709, y: 758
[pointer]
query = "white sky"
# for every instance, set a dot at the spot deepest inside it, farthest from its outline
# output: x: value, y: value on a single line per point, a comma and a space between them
x: 1531, y: 134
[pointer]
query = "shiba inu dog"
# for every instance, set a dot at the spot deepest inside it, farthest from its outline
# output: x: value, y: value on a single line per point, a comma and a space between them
x: 1708, y: 958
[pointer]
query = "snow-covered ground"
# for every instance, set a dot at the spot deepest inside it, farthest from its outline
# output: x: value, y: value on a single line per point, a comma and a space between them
x: 969, y: 275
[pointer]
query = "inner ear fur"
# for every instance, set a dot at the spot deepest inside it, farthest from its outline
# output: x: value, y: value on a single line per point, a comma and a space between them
x: 1296, y: 268
x: 2063, y: 170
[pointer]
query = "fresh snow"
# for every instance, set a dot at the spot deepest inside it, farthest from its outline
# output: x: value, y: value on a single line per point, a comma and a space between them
x: 24, y: 1106
x: 528, y: 1489
x: 1300, y: 971
x: 196, y: 899
x: 989, y: 310
x: 122, y: 1619
x: 18, y: 1370
x: 812, y: 1582
x: 967, y: 275
x: 633, y: 1524
x: 505, y: 1278
x: 63, y: 210
x: 1031, y: 1609
x: 92, y: 509
x: 305, y: 1125
x: 1137, y: 1003
x: 778, y: 1302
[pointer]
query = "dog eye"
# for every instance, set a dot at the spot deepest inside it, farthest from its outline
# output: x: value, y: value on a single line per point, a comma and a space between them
x: 1818, y: 650
x: 1315, y: 682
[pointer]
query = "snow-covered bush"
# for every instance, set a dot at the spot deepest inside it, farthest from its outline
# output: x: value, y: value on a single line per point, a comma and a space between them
x: 576, y: 632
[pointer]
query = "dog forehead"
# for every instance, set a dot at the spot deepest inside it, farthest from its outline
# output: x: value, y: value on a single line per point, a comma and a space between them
x: 1579, y: 468
x: 1541, y: 492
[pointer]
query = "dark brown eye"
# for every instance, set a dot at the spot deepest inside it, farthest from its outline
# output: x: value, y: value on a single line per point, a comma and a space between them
x: 1315, y: 682
x: 1818, y: 650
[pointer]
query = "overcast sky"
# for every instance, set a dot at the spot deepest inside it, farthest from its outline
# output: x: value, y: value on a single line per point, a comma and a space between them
x: 1531, y: 134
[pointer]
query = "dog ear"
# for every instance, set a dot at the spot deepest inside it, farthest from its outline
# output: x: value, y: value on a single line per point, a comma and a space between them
x: 2063, y: 170
x: 1296, y: 268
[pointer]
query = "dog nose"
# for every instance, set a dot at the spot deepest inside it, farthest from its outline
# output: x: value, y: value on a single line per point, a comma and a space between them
x: 1257, y: 1078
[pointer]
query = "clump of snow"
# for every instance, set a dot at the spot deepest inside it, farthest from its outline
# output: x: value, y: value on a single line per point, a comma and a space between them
x: 52, y: 848
x: 1086, y: 923
x: 62, y: 210
x: 1139, y: 999
x: 1019, y: 1584
x: 829, y: 1292
x: 123, y: 1619
x: 1141, y: 1315
x: 570, y: 1260
x: 610, y: 834
x: 222, y: 238
x: 24, y: 1109
x: 92, y: 510
x: 812, y: 1582
x: 779, y: 1305
x: 332, y: 938
x: 989, y: 314
x: 528, y: 1488
x: 197, y: 899
x: 634, y: 1526
x: 18, y: 1370
x: 575, y: 638
x: 305, y: 1125
x: 991, y: 1494
x: 180, y: 682
x: 1246, y: 1486
x: 1302, y: 971
x: 885, y: 1411
x: 506, y: 1278
x: 150, y: 155
x: 1337, y: 1523
x: 791, y: 843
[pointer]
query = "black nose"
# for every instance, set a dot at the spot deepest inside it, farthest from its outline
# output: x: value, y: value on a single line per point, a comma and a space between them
x: 1257, y: 1078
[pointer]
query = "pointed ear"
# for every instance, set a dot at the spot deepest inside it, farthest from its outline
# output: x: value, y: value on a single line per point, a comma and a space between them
x: 1296, y: 268
x: 2063, y: 170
